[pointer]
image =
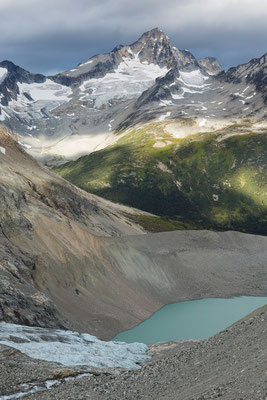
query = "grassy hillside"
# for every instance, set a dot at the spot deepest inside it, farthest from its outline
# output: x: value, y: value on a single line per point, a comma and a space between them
x: 215, y: 180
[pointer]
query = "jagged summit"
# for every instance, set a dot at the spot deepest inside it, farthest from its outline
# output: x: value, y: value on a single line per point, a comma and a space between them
x: 154, y: 32
x: 153, y: 47
x: 155, y: 35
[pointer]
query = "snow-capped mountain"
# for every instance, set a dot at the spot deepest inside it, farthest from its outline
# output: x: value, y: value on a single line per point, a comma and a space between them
x: 27, y: 98
x: 77, y: 111
x: 196, y: 93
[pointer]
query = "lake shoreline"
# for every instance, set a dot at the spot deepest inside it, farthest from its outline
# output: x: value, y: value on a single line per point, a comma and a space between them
x: 191, y: 320
x: 228, y: 365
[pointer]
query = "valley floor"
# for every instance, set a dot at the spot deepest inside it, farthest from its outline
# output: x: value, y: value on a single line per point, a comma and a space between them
x: 228, y: 366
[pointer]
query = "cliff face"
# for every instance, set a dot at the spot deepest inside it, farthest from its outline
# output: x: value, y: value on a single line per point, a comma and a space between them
x: 46, y: 225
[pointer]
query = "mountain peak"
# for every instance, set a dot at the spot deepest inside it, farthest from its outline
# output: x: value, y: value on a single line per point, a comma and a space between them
x: 155, y: 32
x: 155, y: 35
x: 153, y: 47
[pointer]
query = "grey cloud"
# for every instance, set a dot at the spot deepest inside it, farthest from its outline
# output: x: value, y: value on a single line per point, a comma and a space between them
x: 57, y: 34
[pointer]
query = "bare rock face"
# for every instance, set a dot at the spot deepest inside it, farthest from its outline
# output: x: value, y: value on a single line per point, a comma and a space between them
x: 20, y: 301
x: 33, y: 200
x: 211, y: 65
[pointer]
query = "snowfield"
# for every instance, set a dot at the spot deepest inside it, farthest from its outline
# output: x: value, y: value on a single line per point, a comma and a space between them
x: 47, y: 91
x: 129, y: 80
x: 72, y: 348
x: 33, y: 98
x: 193, y: 79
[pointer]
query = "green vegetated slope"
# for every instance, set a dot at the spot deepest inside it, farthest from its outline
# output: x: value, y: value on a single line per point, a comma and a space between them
x: 214, y: 180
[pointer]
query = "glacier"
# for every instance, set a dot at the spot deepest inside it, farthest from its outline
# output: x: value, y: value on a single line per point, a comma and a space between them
x: 72, y: 348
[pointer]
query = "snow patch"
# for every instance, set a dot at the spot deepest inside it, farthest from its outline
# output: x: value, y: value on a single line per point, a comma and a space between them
x: 193, y: 79
x: 245, y: 89
x: 178, y: 96
x: 178, y: 184
x: 163, y: 167
x: 3, y: 74
x: 2, y: 150
x: 164, y: 116
x: 3, y: 115
x: 250, y: 97
x: 27, y: 146
x: 165, y: 103
x: 203, y: 122
x: 238, y: 94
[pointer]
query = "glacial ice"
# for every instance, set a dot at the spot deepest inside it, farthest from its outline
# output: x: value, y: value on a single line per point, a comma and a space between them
x: 46, y: 95
x: 129, y: 80
x: 72, y: 348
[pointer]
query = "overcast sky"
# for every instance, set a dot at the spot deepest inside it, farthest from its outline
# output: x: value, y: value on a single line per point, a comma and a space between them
x: 49, y: 36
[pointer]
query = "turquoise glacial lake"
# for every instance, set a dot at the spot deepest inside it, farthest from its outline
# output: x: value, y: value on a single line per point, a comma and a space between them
x: 197, y: 319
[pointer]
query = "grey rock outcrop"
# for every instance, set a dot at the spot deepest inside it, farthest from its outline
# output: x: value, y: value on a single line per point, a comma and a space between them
x: 211, y: 65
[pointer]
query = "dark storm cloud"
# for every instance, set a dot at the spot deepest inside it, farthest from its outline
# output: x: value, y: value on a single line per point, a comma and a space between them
x: 53, y: 35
